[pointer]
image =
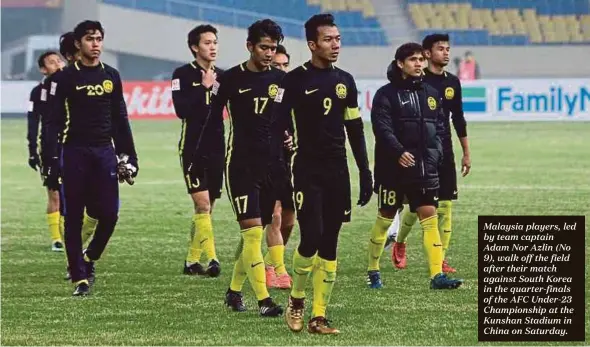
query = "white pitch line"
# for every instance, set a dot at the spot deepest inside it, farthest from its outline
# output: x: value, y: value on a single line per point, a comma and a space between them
x: 464, y: 186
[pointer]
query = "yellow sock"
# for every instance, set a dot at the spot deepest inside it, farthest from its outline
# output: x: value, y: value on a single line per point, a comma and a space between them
x: 194, y: 248
x: 205, y: 230
x: 408, y: 220
x: 324, y: 277
x: 254, y: 262
x: 377, y: 241
x: 444, y: 224
x: 88, y: 227
x: 239, y: 275
x: 302, y: 266
x: 53, y: 223
x: 432, y: 245
x: 268, y: 259
x: 277, y: 258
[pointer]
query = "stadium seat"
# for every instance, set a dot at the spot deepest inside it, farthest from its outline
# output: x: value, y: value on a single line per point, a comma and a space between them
x: 507, y: 22
x: 359, y: 15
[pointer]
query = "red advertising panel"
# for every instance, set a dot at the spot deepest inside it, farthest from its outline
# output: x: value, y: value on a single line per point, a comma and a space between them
x: 150, y: 100
x: 31, y: 3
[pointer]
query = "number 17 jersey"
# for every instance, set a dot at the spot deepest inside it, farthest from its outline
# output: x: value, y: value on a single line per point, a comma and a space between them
x: 248, y: 97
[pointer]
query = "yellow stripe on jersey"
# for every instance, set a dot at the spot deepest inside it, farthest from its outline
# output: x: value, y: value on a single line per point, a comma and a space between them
x: 352, y: 113
x: 67, y: 125
x: 295, y: 146
x: 181, y: 146
x: 230, y: 145
x: 193, y: 65
x: 76, y: 65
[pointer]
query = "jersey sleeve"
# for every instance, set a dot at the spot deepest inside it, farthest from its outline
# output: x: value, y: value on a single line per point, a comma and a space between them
x: 457, y: 114
x: 186, y: 102
x: 33, y: 119
x: 55, y: 120
x: 352, y: 106
x: 122, y: 136
x: 381, y: 117
x: 354, y: 128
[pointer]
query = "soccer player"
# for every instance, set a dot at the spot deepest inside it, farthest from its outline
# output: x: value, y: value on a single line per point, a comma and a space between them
x: 49, y: 63
x: 201, y: 152
x: 276, y: 272
x: 248, y: 90
x: 68, y: 50
x: 88, y: 111
x: 282, y: 59
x: 437, y: 50
x: 406, y: 117
x: 321, y: 101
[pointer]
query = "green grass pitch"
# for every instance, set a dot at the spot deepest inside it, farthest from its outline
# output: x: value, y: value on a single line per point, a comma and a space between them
x: 141, y: 297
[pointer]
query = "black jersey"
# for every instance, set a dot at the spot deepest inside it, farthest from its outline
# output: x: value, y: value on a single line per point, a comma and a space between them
x: 318, y: 102
x: 449, y: 89
x: 192, y: 103
x: 34, y: 115
x: 248, y: 97
x: 86, y: 108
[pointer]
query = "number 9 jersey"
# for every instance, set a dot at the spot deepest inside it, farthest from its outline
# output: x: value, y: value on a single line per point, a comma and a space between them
x: 319, y: 102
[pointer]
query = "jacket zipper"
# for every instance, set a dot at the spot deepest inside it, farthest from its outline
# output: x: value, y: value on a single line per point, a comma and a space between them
x: 421, y: 117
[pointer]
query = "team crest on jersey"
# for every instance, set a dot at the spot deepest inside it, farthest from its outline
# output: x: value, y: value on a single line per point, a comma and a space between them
x: 449, y: 93
x: 273, y: 89
x: 341, y: 91
x: 432, y: 103
x: 108, y: 86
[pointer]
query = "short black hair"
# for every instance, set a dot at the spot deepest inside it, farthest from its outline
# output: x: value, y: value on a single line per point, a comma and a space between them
x: 431, y: 39
x: 41, y: 60
x: 316, y: 21
x: 265, y: 28
x: 282, y: 50
x: 407, y: 50
x: 67, y: 45
x: 194, y: 36
x: 87, y: 26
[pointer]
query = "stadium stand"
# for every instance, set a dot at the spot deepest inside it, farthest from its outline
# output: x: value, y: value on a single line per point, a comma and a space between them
x: 356, y: 18
x: 504, y: 22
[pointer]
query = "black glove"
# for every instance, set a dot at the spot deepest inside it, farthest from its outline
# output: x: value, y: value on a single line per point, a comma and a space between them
x: 34, y: 161
x: 366, y: 187
x: 127, y: 169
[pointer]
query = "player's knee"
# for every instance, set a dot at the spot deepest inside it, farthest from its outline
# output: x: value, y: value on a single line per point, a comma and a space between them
x: 202, y: 208
x: 327, y: 252
x: 307, y: 250
x: 425, y: 212
x: 53, y: 201
x: 388, y: 213
x: 201, y: 202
